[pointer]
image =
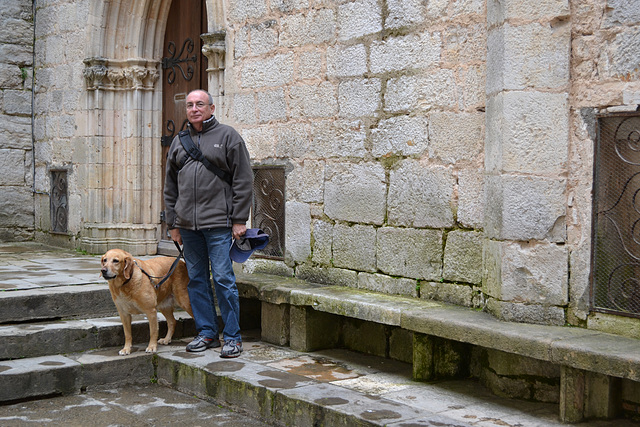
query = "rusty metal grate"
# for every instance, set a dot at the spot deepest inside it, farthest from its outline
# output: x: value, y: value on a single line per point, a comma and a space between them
x: 268, y: 208
x: 58, y: 206
x: 616, y: 225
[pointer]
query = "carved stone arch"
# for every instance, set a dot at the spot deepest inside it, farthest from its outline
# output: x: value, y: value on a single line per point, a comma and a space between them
x: 123, y: 173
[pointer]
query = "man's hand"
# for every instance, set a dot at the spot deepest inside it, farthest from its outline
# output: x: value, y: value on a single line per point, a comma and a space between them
x: 238, y: 230
x: 175, y: 235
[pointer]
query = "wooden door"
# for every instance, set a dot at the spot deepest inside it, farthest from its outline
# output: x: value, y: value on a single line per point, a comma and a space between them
x: 184, y: 69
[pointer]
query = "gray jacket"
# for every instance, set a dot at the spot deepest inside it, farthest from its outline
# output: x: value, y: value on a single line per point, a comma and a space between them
x: 196, y: 198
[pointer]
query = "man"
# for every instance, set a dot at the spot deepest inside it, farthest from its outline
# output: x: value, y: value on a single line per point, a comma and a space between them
x: 204, y: 212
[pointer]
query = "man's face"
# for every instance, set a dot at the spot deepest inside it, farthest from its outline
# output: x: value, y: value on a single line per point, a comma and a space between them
x: 198, y: 108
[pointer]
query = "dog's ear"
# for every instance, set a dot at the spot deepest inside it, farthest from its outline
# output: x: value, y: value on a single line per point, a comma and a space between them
x: 128, y: 267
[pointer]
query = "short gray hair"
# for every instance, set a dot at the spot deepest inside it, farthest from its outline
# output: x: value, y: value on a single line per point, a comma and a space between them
x: 204, y: 91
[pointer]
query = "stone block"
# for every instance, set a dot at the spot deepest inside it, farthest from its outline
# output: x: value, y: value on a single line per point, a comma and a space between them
x: 531, y: 55
x: 531, y: 273
x: 471, y: 198
x: 271, y: 105
x: 452, y: 293
x: 16, y: 206
x: 526, y: 313
x: 15, y: 132
x: 572, y: 392
x: 298, y: 231
x: 463, y: 257
x: 289, y: 5
x: 355, y: 192
x: 422, y: 93
x: 12, y: 163
x: 455, y: 137
x: 437, y: 358
x: 404, y: 13
x: 327, y: 276
x: 602, y: 396
x: 318, y: 101
x: 263, y: 37
x: 10, y: 77
x: 359, y: 98
x: 17, y: 102
x: 275, y: 324
x: 241, y: 42
x: 276, y: 70
x: 359, y: 18
x: 260, y: 142
x: 38, y: 376
x: 364, y: 337
x: 401, y: 345
x: 305, y: 183
x: 322, y: 242
x: 346, y: 61
x: 387, y: 284
x: 525, y: 208
x: 313, y: 330
x: 338, y: 138
x: 527, y: 132
x: 315, y: 27
x: 414, y: 51
x: 354, y: 247
x: 401, y: 135
x: 310, y: 65
x: 617, y: 58
x: 240, y: 10
x: 499, y: 11
x: 420, y: 196
x: 622, y: 12
x: 410, y: 252
x: 292, y: 140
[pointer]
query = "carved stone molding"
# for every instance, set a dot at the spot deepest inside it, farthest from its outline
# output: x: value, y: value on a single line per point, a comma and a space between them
x: 111, y: 74
x: 214, y: 49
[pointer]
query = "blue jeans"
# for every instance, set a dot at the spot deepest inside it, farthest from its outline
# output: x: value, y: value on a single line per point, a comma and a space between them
x: 200, y: 248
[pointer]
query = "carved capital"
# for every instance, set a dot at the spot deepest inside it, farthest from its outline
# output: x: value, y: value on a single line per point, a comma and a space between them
x: 127, y: 74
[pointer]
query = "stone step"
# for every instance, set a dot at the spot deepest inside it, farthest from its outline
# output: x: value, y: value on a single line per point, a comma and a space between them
x: 261, y: 383
x: 69, y: 336
x: 56, y: 302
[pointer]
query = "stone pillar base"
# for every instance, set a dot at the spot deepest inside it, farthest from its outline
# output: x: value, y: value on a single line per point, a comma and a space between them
x: 137, y: 239
x: 275, y: 323
x: 439, y: 358
x: 313, y: 330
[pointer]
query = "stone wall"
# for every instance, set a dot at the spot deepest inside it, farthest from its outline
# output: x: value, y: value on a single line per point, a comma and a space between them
x: 377, y: 110
x: 16, y: 149
x: 605, y: 70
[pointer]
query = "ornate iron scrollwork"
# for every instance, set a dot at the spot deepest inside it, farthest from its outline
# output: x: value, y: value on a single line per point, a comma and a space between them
x: 616, y: 257
x: 58, y: 201
x: 175, y: 61
x: 268, y: 208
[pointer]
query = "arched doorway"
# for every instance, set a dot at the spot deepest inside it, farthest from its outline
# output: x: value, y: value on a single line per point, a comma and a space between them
x: 184, y: 69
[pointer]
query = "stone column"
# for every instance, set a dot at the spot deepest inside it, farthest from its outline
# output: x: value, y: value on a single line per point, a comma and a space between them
x: 214, y: 49
x: 526, y: 154
x: 120, y: 166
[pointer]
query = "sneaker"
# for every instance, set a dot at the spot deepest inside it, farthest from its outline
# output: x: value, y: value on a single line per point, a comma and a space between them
x: 231, y: 348
x: 201, y: 343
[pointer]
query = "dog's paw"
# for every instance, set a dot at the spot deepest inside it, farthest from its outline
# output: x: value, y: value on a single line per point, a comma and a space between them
x: 164, y: 341
x: 152, y: 349
x: 125, y: 351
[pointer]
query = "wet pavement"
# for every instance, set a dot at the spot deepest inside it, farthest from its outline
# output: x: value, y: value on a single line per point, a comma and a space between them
x: 134, y: 405
x: 366, y: 388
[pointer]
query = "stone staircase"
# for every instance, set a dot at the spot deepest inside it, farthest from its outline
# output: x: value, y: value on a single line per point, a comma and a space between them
x: 58, y: 340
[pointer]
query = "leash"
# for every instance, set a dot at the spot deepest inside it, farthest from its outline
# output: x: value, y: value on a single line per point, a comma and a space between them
x: 171, y: 270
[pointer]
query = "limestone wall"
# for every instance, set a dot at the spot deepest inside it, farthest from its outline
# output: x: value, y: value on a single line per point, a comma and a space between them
x: 16, y: 150
x: 377, y: 110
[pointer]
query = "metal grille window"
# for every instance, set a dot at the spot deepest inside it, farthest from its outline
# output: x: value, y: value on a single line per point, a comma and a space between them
x: 616, y: 225
x: 268, y: 208
x: 58, y: 205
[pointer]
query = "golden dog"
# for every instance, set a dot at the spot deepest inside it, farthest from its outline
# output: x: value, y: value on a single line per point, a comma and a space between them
x: 134, y: 293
